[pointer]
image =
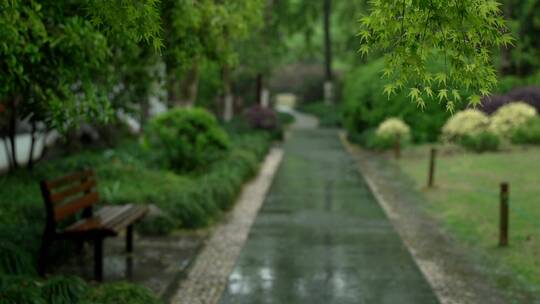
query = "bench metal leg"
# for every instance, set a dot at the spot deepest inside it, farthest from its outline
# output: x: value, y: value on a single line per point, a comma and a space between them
x: 43, y: 252
x: 129, y: 238
x: 98, y: 259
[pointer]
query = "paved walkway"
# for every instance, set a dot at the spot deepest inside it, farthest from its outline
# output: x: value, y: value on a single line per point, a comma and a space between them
x: 321, y: 237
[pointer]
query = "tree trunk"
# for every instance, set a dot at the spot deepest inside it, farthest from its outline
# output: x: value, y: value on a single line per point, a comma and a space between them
x: 228, y: 106
x: 189, y: 87
x: 13, y: 132
x: 259, y: 89
x: 145, y: 114
x: 172, y: 91
x: 5, y: 139
x: 506, y: 62
x: 30, y: 164
x: 328, y: 84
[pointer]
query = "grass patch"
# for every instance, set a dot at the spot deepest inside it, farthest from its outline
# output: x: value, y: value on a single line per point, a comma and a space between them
x: 466, y: 200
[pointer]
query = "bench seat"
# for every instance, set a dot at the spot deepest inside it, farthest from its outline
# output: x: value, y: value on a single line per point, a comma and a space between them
x: 108, y: 221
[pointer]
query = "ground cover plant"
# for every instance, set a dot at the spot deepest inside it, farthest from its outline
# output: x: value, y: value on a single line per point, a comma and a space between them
x: 328, y: 115
x: 466, y: 201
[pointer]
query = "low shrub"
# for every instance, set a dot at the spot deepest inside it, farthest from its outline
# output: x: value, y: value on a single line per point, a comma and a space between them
x: 328, y: 115
x: 394, y: 129
x: 481, y: 142
x: 20, y: 290
x: 510, y: 117
x: 266, y: 119
x: 528, y: 133
x: 120, y: 293
x: 464, y: 123
x: 15, y: 261
x: 157, y: 225
x: 185, y: 139
x: 261, y: 118
x: 530, y: 95
x: 285, y: 118
x: 64, y: 290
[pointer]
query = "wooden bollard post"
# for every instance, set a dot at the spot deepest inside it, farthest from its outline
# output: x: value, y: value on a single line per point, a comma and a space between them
x: 431, y: 174
x: 397, y: 147
x: 503, y: 233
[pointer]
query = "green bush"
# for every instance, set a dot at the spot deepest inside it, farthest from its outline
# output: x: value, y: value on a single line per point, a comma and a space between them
x: 510, y: 117
x: 185, y: 139
x: 120, y: 293
x: 63, y: 290
x: 481, y: 142
x: 15, y: 261
x: 285, y: 118
x: 20, y: 290
x: 528, y: 134
x: 328, y: 115
x: 464, y: 123
x: 366, y: 106
x: 157, y: 225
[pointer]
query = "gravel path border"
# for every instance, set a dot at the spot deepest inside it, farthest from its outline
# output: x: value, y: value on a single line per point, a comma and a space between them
x: 208, y: 275
x: 452, y: 273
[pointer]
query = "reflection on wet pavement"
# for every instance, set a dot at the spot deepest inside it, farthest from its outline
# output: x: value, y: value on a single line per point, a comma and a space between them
x: 321, y: 237
x: 157, y: 262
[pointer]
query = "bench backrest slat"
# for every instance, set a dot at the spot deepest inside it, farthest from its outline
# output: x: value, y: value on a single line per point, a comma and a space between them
x: 69, y: 179
x: 70, y: 194
x: 75, y: 206
x: 83, y: 187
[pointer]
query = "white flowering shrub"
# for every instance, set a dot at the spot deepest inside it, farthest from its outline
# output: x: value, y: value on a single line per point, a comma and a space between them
x: 510, y: 117
x: 468, y: 122
x: 392, y: 128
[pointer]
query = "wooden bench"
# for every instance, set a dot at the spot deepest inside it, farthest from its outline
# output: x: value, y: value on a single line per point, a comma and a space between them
x: 74, y: 196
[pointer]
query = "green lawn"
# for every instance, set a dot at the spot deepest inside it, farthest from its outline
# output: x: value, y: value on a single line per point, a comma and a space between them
x: 466, y: 200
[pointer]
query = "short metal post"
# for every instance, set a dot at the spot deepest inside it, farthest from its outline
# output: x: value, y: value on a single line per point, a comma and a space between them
x: 129, y: 238
x: 431, y: 176
x: 503, y: 236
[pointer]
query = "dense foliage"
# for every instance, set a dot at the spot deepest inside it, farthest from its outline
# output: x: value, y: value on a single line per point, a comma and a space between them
x: 54, y: 53
x: 414, y: 33
x: 186, y: 139
x: 366, y: 106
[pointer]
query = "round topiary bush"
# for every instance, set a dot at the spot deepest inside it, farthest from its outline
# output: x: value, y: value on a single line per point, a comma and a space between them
x: 469, y: 122
x: 185, y: 139
x: 507, y: 119
x: 394, y: 128
x: 388, y: 132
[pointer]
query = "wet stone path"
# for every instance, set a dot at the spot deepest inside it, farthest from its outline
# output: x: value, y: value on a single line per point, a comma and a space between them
x: 321, y: 237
